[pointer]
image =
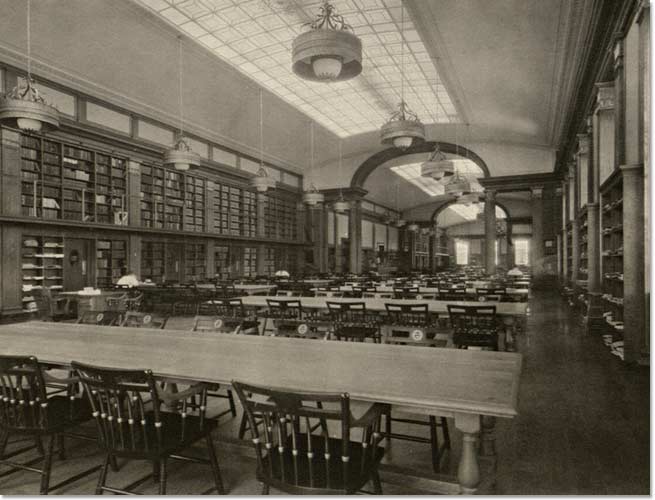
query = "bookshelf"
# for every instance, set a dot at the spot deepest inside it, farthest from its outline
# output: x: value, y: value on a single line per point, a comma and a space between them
x: 152, y: 261
x: 111, y: 259
x: 235, y: 211
x: 249, y: 261
x: 583, y: 236
x: 222, y: 262
x: 269, y: 261
x: 280, y: 218
x: 194, y: 204
x: 612, y: 251
x: 60, y: 181
x: 194, y: 261
x: 42, y: 260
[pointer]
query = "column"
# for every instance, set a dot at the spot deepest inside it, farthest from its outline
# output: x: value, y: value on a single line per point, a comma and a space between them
x: 537, y: 247
x: 325, y: 252
x: 338, y: 266
x: 575, y: 232
x: 355, y: 236
x: 619, y: 101
x: 490, y: 231
x: 134, y: 255
x: 634, y: 300
x: 565, y: 216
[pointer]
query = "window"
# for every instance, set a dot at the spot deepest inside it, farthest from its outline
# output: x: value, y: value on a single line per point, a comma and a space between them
x: 461, y: 252
x: 522, y: 252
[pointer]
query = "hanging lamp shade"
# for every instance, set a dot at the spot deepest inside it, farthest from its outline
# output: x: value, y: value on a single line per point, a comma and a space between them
x: 458, y: 186
x: 413, y: 227
x: 438, y: 167
x: 400, y: 222
x: 403, y: 129
x: 341, y: 206
x: 312, y: 196
x: 262, y: 182
x: 25, y: 108
x: 180, y: 156
x: 469, y: 199
x: 329, y: 51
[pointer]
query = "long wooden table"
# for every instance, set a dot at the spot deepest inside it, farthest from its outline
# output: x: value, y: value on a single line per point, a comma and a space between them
x: 455, y: 383
x: 509, y: 309
x: 519, y: 292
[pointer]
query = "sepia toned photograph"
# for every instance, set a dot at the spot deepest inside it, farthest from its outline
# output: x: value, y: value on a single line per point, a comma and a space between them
x: 312, y: 247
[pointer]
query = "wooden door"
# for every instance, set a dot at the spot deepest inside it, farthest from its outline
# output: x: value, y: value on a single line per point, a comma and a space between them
x: 174, y: 263
x: 77, y: 264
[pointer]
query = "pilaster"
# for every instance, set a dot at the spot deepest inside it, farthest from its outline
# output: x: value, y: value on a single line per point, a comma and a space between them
x: 490, y: 231
x: 537, y: 211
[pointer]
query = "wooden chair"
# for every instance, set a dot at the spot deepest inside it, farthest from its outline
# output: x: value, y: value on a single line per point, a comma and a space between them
x: 411, y: 325
x: 27, y: 410
x: 127, y: 408
x: 286, y: 316
x: 52, y: 307
x: 293, y: 459
x: 352, y: 322
x: 474, y: 326
x: 144, y: 320
x: 107, y: 318
x: 229, y: 316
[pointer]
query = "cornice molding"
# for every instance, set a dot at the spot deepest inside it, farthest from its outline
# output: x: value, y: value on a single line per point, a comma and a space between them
x: 509, y: 183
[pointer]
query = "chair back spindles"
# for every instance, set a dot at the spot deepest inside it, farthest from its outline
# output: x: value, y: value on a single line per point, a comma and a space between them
x: 288, y: 449
x: 24, y: 399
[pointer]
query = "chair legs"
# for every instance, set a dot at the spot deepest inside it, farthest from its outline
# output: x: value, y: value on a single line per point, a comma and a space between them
x: 163, y: 476
x: 214, y: 464
x: 377, y: 485
x: 103, y: 475
x: 47, y: 466
x: 265, y: 489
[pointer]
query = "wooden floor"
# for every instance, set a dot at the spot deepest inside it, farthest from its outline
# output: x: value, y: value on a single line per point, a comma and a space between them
x: 583, y: 428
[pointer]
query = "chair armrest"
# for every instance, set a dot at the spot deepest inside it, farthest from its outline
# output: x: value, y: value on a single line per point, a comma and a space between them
x: 375, y: 411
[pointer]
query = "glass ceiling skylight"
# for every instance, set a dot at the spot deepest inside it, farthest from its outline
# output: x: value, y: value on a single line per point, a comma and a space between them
x: 255, y: 36
x: 412, y: 173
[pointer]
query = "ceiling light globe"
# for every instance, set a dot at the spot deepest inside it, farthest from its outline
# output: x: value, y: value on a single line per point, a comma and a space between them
x: 327, y: 67
x: 403, y: 141
x: 29, y: 124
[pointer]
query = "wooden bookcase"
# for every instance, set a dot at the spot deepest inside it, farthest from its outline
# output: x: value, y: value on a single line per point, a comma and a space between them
x: 612, y: 245
x: 111, y: 260
x: 249, y: 261
x: 235, y: 211
x: 42, y: 260
x: 60, y: 181
x: 152, y: 261
x: 269, y: 261
x: 195, y: 256
x: 569, y: 251
x: 194, y: 204
x: 280, y: 218
x: 582, y: 241
x: 222, y: 262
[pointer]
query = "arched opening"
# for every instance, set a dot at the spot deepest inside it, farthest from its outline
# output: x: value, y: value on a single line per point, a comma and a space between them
x: 374, y: 161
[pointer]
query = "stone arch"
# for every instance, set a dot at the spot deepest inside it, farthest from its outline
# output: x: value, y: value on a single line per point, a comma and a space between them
x: 374, y: 161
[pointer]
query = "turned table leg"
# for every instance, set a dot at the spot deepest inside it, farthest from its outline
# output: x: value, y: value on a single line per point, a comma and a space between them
x: 468, y: 471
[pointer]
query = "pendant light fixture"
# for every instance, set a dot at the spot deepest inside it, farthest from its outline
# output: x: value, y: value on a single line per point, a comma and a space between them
x: 413, y: 227
x: 312, y: 196
x: 438, y: 167
x: 458, y: 185
x: 329, y: 51
x: 24, y: 107
x: 262, y: 182
x: 341, y: 206
x: 180, y: 156
x: 469, y: 199
x: 403, y: 127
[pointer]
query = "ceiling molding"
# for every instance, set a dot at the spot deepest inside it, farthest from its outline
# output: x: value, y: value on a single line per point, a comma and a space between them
x: 511, y: 183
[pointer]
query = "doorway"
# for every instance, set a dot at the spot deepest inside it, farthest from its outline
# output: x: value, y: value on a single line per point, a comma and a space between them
x: 77, y: 264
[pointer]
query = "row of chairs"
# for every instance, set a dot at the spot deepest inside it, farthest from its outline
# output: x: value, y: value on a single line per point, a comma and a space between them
x: 137, y: 420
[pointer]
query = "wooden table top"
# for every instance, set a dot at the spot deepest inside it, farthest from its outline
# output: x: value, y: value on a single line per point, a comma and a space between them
x: 434, y: 306
x: 424, y: 289
x: 451, y: 381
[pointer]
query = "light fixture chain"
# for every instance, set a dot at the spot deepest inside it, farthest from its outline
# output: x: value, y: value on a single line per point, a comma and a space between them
x: 402, y: 54
x: 29, y: 42
x: 179, y: 71
x: 261, y: 127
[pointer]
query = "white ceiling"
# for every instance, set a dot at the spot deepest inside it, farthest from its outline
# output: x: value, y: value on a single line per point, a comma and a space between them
x: 255, y: 37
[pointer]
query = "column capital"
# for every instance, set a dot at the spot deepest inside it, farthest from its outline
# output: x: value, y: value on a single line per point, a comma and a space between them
x: 572, y: 170
x: 559, y: 191
x: 537, y: 192
x: 632, y: 169
x: 134, y: 166
x: 489, y: 194
x: 583, y: 144
x: 605, y: 96
x: 643, y: 11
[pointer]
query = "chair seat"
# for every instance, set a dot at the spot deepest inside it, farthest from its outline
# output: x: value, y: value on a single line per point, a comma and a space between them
x: 177, y: 433
x: 301, y: 474
x: 60, y: 416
